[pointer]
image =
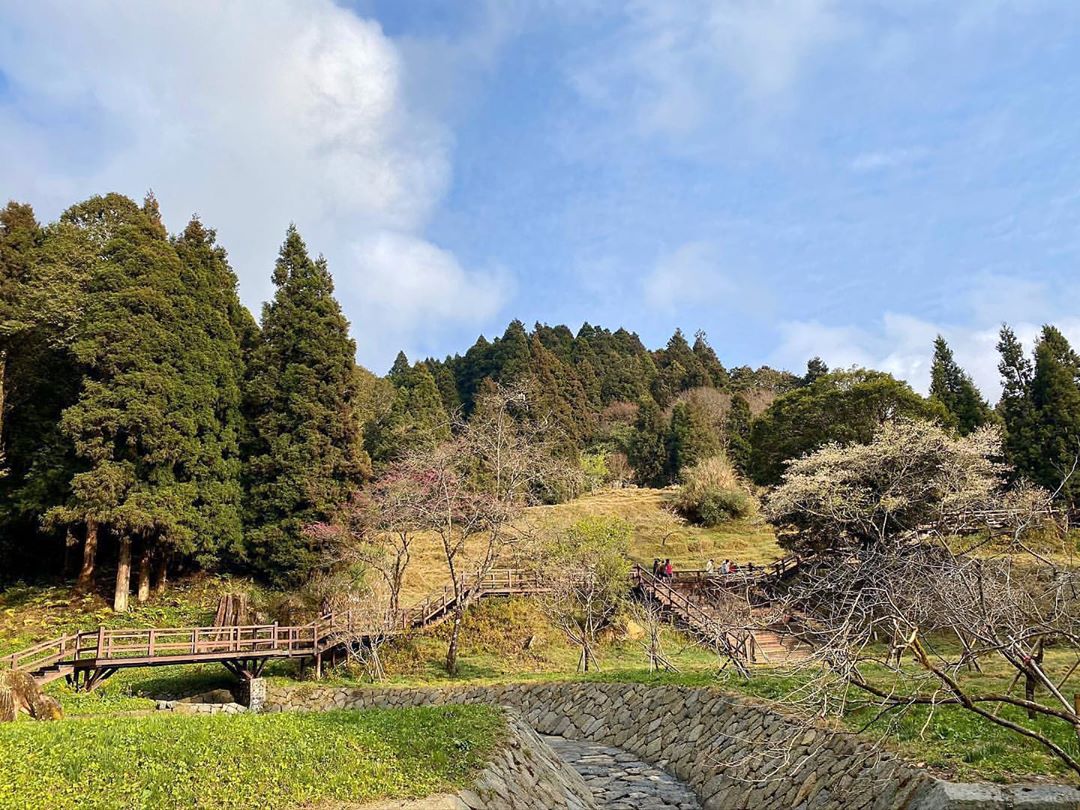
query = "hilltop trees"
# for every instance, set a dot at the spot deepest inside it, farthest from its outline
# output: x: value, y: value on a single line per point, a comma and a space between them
x: 1040, y: 406
x: 306, y: 447
x: 842, y: 407
x: 416, y: 419
x: 953, y: 388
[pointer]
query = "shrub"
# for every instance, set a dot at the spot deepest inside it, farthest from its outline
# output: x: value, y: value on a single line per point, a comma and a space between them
x: 712, y: 493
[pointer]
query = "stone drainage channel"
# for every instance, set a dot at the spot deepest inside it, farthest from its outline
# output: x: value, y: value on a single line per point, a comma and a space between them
x: 620, y: 781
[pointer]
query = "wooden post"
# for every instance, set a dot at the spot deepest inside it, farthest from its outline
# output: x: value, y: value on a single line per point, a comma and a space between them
x: 150, y: 643
x: 100, y: 642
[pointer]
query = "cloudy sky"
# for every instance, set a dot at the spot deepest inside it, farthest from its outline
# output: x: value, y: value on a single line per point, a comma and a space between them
x: 795, y: 177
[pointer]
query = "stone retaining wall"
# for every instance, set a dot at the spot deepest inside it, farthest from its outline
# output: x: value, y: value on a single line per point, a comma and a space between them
x: 731, y: 751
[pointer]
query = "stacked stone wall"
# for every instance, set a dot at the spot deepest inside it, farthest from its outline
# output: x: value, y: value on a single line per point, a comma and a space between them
x: 733, y: 752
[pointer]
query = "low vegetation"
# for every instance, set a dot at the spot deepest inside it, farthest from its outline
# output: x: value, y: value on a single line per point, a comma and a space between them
x: 712, y: 493
x: 266, y: 761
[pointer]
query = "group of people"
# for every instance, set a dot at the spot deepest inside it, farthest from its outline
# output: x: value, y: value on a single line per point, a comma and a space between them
x: 727, y: 567
x: 661, y: 569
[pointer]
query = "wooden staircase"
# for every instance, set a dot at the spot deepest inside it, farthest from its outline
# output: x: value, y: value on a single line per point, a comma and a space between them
x: 747, y: 637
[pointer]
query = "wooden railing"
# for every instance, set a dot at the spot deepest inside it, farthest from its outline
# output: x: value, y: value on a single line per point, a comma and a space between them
x: 739, y: 643
x: 134, y: 646
x: 261, y: 640
x: 743, y: 575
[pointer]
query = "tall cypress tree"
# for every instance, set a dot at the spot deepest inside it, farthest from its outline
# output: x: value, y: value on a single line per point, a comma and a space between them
x: 221, y: 331
x: 738, y: 433
x: 416, y: 418
x: 647, y: 452
x: 306, y: 450
x: 1055, y: 399
x: 952, y: 387
x: 692, y: 438
x: 717, y: 375
x: 1015, y: 406
x: 136, y: 424
x: 20, y: 235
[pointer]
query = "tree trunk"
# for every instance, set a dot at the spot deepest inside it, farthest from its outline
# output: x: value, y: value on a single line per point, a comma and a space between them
x: 162, y: 573
x: 3, y: 373
x: 144, y: 575
x: 452, y: 650
x: 86, y: 573
x: 71, y: 542
x: 123, y: 576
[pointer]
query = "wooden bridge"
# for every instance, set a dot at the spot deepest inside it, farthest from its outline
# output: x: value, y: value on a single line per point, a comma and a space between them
x: 87, y: 659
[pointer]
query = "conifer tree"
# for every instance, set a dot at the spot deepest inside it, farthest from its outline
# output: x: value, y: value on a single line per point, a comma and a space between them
x: 648, y: 453
x: 716, y: 375
x: 222, y: 332
x: 447, y: 385
x: 136, y: 425
x: 1055, y: 399
x: 19, y: 238
x: 560, y: 398
x: 738, y: 434
x: 952, y: 387
x: 815, y: 368
x: 306, y: 451
x: 1015, y: 406
x: 692, y: 438
x: 416, y: 420
x: 679, y: 370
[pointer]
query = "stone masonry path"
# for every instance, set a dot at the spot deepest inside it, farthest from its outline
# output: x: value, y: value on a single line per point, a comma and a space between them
x: 621, y: 781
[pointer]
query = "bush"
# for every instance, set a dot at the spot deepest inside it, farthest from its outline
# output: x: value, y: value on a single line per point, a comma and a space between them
x: 712, y: 493
x: 727, y: 504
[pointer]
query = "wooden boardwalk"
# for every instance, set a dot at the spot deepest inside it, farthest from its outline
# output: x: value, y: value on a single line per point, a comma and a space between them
x: 86, y: 659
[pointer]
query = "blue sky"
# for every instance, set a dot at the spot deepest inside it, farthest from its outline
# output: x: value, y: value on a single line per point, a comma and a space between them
x: 795, y: 177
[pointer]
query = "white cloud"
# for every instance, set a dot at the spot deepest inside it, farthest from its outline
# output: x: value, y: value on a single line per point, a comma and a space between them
x: 671, y: 62
x: 903, y: 346
x: 688, y: 276
x: 253, y: 115
x: 410, y: 280
x: 886, y: 159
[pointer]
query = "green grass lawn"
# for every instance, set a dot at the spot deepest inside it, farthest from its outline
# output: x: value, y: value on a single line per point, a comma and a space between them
x: 265, y: 761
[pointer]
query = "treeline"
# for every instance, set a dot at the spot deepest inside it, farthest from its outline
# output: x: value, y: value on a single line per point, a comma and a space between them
x: 634, y: 414
x: 147, y: 419
x: 148, y: 422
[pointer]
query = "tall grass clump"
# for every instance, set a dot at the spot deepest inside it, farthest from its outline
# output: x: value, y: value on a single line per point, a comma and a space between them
x: 712, y: 493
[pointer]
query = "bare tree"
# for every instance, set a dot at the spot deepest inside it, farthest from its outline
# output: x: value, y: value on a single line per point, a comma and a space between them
x: 376, y: 528
x: 474, y: 488
x: 919, y: 545
x: 587, y: 570
x: 651, y: 616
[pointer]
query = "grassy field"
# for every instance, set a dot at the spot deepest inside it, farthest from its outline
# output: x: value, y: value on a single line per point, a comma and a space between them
x: 506, y: 640
x: 265, y: 761
x: 656, y: 531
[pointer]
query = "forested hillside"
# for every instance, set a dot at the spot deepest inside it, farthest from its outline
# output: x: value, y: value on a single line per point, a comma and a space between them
x: 151, y: 426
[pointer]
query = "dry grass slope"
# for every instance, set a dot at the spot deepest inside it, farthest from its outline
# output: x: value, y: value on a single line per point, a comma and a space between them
x: 656, y: 532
